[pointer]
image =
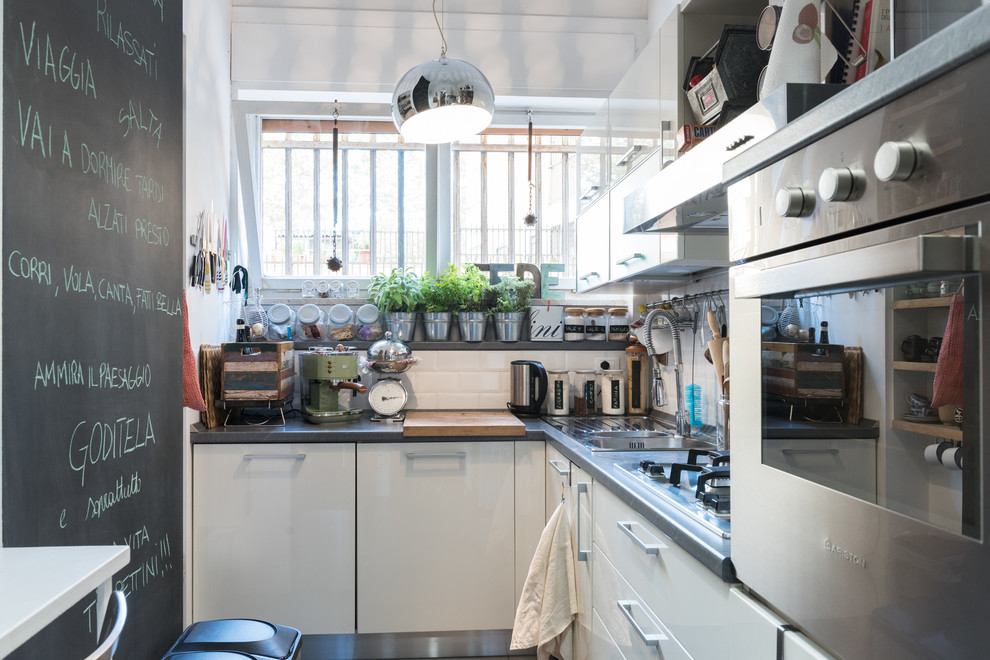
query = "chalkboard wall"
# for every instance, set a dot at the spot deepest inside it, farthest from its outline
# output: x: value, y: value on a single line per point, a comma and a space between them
x: 92, y: 292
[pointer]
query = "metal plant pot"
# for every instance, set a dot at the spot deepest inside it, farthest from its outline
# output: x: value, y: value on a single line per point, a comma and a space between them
x: 473, y: 325
x: 509, y: 325
x: 402, y: 325
x: 437, y: 325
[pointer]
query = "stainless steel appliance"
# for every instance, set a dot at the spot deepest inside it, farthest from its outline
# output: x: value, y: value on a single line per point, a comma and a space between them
x: 528, y: 387
x: 875, y: 548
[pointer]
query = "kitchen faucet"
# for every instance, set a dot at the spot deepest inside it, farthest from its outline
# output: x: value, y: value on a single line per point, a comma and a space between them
x: 681, y: 420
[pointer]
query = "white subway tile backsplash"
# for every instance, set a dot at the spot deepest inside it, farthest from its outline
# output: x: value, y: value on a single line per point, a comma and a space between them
x: 458, y: 360
x: 494, y: 360
x: 478, y: 381
x: 493, y: 401
x: 460, y: 401
x: 422, y: 401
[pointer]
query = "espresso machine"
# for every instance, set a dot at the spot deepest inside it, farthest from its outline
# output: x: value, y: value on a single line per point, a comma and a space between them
x: 325, y: 372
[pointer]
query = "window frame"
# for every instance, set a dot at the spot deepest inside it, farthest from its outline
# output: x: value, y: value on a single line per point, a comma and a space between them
x: 246, y: 182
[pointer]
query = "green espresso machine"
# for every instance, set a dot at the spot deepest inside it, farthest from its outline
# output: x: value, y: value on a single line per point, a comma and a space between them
x: 325, y: 372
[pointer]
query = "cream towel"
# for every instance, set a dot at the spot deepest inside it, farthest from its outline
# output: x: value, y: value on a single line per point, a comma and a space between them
x: 549, y: 602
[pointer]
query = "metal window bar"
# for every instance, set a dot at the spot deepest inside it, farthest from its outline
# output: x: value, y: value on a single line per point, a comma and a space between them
x: 373, y: 207
x: 483, y: 173
x: 288, y: 211
x: 401, y: 166
x: 317, y: 244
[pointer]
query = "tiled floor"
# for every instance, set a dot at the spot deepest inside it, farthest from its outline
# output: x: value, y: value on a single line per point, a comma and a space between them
x: 490, y: 645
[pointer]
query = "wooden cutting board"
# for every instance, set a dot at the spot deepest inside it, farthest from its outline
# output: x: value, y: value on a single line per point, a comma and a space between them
x: 419, y: 423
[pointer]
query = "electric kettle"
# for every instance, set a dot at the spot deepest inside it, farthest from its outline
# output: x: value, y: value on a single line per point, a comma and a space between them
x: 529, y: 387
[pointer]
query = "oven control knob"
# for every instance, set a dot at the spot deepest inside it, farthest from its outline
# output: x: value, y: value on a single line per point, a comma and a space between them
x: 841, y: 184
x: 897, y: 161
x: 794, y: 202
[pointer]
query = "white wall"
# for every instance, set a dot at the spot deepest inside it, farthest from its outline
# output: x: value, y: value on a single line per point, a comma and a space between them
x: 207, y: 159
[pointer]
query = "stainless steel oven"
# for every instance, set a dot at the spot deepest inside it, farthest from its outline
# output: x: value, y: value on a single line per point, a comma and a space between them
x: 875, y: 544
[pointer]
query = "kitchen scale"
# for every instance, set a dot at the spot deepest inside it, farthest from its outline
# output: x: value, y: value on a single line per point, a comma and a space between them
x: 389, y: 396
x: 387, y: 399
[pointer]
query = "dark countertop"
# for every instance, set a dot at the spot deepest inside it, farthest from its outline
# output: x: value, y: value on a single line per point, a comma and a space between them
x: 959, y: 43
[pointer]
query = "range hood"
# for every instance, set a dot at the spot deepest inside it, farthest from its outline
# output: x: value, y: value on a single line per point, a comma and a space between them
x: 687, y: 196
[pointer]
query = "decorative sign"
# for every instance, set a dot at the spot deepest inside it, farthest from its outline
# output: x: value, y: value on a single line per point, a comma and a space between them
x: 546, y: 323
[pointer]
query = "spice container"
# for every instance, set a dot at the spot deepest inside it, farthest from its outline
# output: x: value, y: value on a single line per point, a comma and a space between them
x: 280, y: 319
x: 594, y: 325
x: 637, y: 380
x: 558, y: 392
x: 584, y: 386
x: 309, y: 320
x: 323, y: 289
x: 613, y: 392
x: 618, y: 323
x: 573, y: 324
x: 368, y: 322
x: 340, y: 323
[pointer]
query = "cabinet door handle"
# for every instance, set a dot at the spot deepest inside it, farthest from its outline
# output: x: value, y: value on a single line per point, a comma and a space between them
x: 274, y: 457
x: 591, y: 275
x: 451, y: 454
x: 632, y: 257
x: 649, y: 548
x: 650, y: 639
x: 554, y: 464
x: 582, y: 555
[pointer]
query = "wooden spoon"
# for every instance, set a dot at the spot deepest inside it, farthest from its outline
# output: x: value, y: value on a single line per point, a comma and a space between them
x: 715, y: 347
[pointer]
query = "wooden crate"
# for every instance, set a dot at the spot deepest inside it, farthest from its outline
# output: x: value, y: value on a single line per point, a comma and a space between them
x: 803, y: 370
x: 258, y: 371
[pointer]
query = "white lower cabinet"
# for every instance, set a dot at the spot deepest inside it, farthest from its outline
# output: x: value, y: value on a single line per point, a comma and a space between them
x: 435, y: 536
x: 567, y: 480
x: 603, y: 647
x: 274, y: 534
x: 798, y: 647
x: 687, y: 599
x: 634, y: 627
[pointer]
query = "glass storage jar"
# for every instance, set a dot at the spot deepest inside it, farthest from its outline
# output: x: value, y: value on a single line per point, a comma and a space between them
x: 309, y: 322
x: 618, y: 323
x: 594, y: 325
x: 558, y: 392
x: 280, y: 320
x: 584, y: 387
x: 613, y: 389
x: 369, y: 322
x: 573, y: 324
x: 340, y: 323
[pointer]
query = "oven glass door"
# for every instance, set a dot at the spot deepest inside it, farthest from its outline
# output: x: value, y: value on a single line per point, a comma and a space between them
x: 871, y: 362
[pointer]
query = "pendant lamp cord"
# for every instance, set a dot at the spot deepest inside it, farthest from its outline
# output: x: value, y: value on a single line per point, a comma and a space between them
x: 530, y: 218
x: 443, y: 50
x: 334, y: 263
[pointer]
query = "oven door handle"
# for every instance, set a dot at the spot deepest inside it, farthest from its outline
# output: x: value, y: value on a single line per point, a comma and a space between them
x: 927, y: 257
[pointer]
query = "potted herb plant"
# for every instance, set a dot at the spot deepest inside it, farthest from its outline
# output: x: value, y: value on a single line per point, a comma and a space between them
x: 439, y: 298
x: 473, y: 293
x: 397, y: 295
x: 512, y: 299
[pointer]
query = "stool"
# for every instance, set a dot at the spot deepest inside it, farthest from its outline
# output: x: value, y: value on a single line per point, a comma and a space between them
x: 236, y: 639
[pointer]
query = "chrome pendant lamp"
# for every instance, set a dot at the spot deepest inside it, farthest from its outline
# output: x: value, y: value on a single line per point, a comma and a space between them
x: 442, y: 100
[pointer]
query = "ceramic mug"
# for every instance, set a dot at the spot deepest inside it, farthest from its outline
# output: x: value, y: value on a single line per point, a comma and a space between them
x: 914, y: 348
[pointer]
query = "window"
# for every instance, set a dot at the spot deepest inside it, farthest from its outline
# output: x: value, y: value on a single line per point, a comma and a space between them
x: 381, y: 184
x: 492, y: 197
x: 382, y: 199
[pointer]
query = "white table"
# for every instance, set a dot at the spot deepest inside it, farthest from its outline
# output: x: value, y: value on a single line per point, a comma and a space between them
x: 38, y: 584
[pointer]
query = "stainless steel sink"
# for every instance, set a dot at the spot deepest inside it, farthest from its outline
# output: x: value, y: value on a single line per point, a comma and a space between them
x: 642, y: 441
